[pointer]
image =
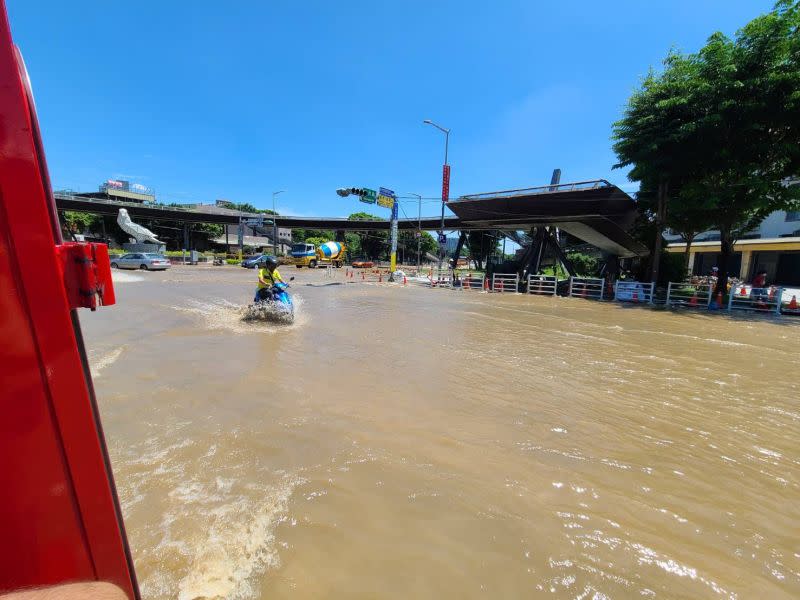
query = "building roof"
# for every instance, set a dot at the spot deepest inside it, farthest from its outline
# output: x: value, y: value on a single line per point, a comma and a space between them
x: 755, y: 244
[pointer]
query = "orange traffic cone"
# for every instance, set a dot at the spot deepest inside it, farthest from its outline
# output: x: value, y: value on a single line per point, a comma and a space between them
x: 500, y: 285
x: 405, y: 280
x: 793, y: 303
x: 719, y: 299
x: 485, y: 284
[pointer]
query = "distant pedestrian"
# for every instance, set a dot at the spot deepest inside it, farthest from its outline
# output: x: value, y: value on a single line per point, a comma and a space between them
x: 758, y: 291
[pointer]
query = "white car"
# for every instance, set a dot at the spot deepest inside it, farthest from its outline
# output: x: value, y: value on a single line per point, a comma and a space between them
x: 146, y: 261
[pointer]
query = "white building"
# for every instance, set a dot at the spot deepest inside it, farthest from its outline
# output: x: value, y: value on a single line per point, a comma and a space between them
x: 774, y: 247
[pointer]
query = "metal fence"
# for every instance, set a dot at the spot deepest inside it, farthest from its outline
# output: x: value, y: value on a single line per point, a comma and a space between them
x: 689, y: 295
x: 441, y: 278
x: 634, y: 291
x: 505, y: 282
x: 544, y: 285
x: 763, y: 300
x: 473, y: 282
x: 586, y: 287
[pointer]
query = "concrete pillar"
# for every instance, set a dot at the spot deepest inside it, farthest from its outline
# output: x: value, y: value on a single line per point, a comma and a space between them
x: 690, y: 267
x: 747, y: 256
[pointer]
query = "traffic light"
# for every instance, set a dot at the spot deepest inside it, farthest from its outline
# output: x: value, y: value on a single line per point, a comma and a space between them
x: 365, y: 194
x: 344, y: 192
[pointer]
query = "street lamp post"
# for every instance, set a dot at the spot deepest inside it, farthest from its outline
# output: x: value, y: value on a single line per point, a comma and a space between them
x: 275, y: 224
x: 419, y: 224
x: 446, y: 144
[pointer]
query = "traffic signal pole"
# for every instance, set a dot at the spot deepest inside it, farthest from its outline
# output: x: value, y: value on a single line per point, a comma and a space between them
x: 393, y: 255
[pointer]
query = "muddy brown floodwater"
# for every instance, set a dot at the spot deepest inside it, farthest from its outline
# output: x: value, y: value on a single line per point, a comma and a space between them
x: 414, y: 443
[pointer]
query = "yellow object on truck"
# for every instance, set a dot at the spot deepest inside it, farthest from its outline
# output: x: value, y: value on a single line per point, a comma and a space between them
x: 311, y: 256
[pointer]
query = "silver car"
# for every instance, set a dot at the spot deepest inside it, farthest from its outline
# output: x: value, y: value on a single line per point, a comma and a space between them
x: 141, y: 260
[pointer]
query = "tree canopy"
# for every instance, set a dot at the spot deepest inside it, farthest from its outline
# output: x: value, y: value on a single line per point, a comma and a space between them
x: 716, y: 134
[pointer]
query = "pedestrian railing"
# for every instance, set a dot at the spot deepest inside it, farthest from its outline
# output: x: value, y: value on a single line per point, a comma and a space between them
x: 441, y: 278
x: 473, y: 282
x: 505, y: 282
x: 688, y: 295
x: 634, y: 291
x: 763, y: 300
x: 544, y: 285
x: 586, y: 287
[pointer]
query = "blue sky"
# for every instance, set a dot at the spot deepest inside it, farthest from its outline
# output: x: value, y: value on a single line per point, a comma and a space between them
x: 203, y: 100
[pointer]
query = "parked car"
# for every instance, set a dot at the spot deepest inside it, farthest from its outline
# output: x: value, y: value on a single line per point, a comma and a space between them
x: 147, y: 261
x: 251, y: 262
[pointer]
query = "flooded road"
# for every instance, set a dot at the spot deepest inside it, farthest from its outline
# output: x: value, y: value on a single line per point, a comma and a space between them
x: 406, y: 442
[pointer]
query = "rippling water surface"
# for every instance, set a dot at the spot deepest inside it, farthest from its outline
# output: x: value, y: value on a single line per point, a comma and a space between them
x: 405, y: 442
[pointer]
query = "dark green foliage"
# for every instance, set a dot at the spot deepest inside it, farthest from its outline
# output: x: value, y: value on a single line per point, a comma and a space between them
x: 716, y: 134
x: 584, y: 264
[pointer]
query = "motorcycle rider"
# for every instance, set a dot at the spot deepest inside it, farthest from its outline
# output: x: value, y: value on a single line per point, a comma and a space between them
x: 268, y: 276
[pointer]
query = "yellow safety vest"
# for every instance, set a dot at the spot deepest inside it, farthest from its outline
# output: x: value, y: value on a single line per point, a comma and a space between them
x: 272, y: 278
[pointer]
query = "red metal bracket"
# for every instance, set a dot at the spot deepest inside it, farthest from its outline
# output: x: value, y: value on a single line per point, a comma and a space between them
x: 86, y: 272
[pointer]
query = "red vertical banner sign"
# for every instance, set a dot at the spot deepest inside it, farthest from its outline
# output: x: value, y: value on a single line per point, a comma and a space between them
x: 445, y: 183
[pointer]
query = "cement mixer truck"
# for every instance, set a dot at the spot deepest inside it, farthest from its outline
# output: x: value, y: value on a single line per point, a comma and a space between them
x: 311, y: 256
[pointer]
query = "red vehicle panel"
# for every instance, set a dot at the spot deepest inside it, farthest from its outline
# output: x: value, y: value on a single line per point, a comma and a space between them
x: 59, y: 515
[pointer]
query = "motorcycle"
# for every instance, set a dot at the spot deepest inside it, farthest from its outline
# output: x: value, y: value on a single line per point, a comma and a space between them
x: 277, y: 301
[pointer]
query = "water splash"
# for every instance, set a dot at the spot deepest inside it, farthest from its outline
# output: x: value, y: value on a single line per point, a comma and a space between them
x: 97, y: 365
x: 243, y: 318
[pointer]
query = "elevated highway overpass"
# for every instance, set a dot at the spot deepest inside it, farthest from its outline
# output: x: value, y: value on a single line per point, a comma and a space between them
x: 594, y: 211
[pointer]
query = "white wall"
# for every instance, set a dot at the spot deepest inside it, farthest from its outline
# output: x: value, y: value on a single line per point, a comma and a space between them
x: 776, y: 225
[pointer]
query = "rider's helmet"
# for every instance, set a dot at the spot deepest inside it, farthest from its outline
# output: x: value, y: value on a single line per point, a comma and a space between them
x: 269, y: 261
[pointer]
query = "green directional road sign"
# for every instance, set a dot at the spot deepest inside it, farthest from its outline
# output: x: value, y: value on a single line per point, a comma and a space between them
x: 370, y: 196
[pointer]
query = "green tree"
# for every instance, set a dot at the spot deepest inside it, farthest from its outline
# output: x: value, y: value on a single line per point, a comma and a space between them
x: 690, y: 214
x: 654, y: 137
x: 373, y: 245
x: 725, y: 123
x: 751, y: 114
x: 352, y: 242
x: 408, y: 240
x: 79, y: 222
x: 317, y: 241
